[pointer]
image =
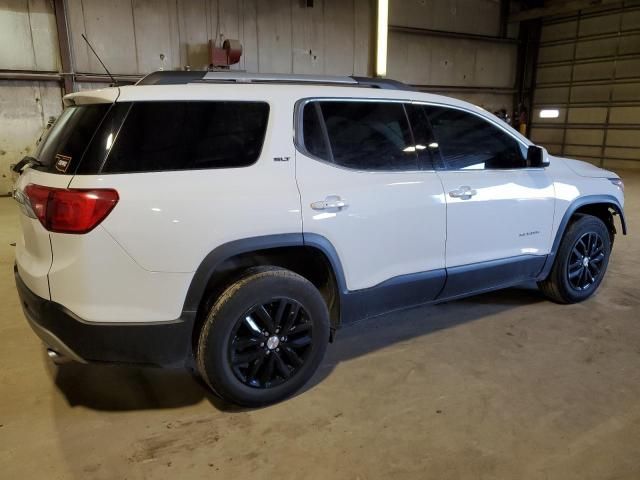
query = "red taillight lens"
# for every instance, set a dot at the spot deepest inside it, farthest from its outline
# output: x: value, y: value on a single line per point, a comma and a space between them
x: 73, y: 210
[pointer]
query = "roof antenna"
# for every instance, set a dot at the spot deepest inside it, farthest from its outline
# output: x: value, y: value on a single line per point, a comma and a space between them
x: 113, y: 80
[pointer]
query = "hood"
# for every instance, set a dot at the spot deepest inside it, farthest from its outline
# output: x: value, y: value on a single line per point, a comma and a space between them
x: 586, y: 169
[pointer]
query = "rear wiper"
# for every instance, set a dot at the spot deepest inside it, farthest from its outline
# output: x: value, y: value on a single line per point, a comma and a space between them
x: 26, y: 161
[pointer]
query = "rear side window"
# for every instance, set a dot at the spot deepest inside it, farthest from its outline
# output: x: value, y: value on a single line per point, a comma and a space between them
x: 63, y: 148
x: 468, y: 142
x: 362, y: 135
x: 159, y: 136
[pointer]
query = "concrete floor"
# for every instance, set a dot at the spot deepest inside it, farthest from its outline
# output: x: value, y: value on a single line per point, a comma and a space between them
x: 505, y: 385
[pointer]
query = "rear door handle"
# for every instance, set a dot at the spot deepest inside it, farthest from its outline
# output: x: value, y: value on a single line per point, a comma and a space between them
x: 331, y: 202
x: 464, y: 193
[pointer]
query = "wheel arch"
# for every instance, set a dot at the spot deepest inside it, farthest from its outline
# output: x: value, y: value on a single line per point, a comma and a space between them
x: 311, y: 256
x: 600, y: 206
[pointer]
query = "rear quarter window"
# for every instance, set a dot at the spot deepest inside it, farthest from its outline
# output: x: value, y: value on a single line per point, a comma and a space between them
x: 160, y: 136
x: 63, y: 148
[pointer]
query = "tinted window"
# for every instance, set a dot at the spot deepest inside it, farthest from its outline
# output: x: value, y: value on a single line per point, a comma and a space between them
x: 369, y: 135
x: 63, y: 147
x: 160, y: 136
x: 467, y: 141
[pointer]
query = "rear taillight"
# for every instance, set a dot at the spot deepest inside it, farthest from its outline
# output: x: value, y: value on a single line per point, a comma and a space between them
x: 70, y: 210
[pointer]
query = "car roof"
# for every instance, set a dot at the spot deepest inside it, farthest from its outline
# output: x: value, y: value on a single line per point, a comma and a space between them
x: 274, y: 88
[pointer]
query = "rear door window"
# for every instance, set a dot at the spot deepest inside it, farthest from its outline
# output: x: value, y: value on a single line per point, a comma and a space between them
x: 159, y: 136
x: 64, y: 146
x: 363, y: 135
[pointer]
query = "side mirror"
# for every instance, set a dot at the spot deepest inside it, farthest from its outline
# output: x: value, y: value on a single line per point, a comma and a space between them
x: 537, y: 157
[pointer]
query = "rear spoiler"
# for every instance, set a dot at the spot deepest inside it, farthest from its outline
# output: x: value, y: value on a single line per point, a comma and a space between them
x: 104, y: 95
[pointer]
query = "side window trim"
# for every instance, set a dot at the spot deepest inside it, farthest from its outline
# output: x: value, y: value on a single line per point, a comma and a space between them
x: 115, y: 137
x: 325, y: 133
x: 428, y: 164
x: 298, y: 135
x: 442, y: 164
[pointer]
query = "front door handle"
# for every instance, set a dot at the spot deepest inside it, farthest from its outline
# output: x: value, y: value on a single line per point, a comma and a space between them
x: 464, y: 193
x: 329, y: 203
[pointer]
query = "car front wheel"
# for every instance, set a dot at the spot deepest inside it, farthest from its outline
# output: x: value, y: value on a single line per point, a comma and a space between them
x: 580, y: 263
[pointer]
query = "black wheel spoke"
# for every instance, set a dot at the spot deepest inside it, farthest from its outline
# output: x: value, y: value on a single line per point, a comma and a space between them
x: 575, y: 273
x: 267, y: 372
x: 279, y: 316
x: 265, y: 318
x: 589, y: 276
x: 280, y: 366
x: 247, y: 342
x: 246, y: 357
x: 292, y: 356
x: 291, y: 318
x: 300, y: 341
x: 255, y: 367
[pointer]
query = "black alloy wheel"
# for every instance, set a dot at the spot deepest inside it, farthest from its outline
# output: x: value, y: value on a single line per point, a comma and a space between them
x: 581, y: 261
x: 270, y: 343
x: 264, y: 337
x: 585, y: 261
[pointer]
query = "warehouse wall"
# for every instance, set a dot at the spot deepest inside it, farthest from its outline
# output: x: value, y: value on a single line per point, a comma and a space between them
x: 482, y: 69
x: 589, y: 69
x: 333, y: 37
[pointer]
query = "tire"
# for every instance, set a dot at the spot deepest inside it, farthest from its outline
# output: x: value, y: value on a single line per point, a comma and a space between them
x: 263, y: 338
x: 573, y: 278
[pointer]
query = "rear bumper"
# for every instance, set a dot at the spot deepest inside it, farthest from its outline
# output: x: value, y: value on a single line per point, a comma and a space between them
x: 154, y: 343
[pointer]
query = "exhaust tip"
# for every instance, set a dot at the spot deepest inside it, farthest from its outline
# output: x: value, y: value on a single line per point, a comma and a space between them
x: 56, y: 357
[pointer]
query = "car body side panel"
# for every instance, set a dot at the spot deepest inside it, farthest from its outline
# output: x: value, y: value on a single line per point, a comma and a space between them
x: 98, y: 281
x: 169, y: 221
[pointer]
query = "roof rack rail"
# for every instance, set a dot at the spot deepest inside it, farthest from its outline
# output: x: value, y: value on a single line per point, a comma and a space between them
x: 385, y: 83
x: 184, y: 77
x: 244, y: 77
x: 171, y: 77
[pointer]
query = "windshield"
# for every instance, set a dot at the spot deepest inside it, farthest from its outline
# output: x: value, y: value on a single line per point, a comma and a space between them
x: 62, y: 149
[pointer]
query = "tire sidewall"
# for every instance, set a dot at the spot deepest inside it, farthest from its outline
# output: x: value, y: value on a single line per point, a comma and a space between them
x: 231, y: 306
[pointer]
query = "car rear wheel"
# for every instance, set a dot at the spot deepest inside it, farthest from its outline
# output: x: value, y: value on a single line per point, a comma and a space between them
x: 264, y: 337
x: 581, y: 261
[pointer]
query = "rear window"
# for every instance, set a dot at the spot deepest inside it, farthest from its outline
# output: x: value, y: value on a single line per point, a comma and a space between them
x: 158, y: 136
x: 62, y: 149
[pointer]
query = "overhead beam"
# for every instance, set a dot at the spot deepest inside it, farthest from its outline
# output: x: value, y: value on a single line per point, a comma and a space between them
x: 29, y: 75
x: 559, y: 9
x: 44, y: 76
x: 459, y: 35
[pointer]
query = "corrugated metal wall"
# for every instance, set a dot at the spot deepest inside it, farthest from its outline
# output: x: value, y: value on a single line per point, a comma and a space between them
x: 424, y: 50
x: 589, y: 69
x: 333, y: 37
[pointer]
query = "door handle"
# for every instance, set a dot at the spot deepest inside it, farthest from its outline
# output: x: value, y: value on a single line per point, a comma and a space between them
x: 464, y: 193
x: 331, y: 202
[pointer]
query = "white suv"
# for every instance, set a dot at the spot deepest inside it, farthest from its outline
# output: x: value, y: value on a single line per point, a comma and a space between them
x: 234, y: 222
